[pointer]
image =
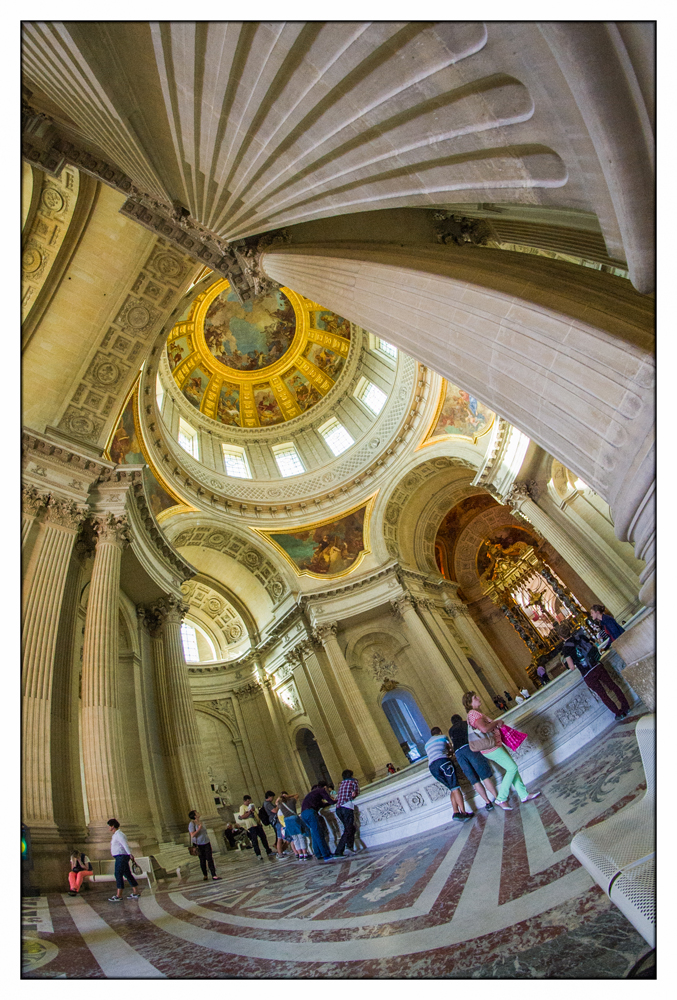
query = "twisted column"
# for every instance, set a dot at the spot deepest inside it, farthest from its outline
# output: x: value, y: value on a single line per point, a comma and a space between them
x: 102, y: 741
x: 183, y: 729
x: 522, y: 502
x: 375, y: 749
x: 42, y: 612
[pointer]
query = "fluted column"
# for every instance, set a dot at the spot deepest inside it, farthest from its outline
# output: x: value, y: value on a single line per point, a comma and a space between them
x: 521, y: 501
x: 469, y: 632
x: 449, y: 648
x: 102, y: 747
x: 42, y: 612
x: 172, y: 813
x: 442, y: 691
x: 184, y: 734
x: 287, y: 757
x: 375, y: 749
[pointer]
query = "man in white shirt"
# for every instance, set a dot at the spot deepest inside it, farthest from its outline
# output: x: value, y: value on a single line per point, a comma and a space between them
x: 122, y: 853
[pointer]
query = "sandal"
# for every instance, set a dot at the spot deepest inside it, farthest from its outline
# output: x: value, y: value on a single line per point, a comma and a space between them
x: 503, y: 805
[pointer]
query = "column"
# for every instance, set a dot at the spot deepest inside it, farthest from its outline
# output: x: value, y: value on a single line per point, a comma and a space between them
x: 521, y: 501
x: 287, y: 757
x: 450, y: 649
x: 32, y: 503
x: 376, y: 752
x: 184, y: 737
x: 469, y: 632
x: 41, y: 619
x: 104, y: 764
x: 442, y: 691
x: 318, y: 701
x: 170, y: 814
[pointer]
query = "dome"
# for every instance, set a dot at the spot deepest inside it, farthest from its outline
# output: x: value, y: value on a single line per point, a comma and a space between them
x: 260, y: 363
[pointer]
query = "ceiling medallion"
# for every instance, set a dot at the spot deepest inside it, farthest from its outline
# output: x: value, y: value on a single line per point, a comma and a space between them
x: 259, y: 363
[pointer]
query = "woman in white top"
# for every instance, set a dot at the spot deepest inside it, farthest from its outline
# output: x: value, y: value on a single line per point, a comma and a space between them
x: 122, y: 853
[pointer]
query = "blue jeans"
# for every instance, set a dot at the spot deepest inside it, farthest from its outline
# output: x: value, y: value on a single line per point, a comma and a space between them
x: 311, y: 819
x: 122, y: 871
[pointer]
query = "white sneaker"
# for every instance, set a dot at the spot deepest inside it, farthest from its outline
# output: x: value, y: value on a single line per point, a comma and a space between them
x: 115, y: 899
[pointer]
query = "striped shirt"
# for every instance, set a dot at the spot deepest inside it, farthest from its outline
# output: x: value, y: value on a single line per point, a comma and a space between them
x: 347, y: 791
x: 437, y: 747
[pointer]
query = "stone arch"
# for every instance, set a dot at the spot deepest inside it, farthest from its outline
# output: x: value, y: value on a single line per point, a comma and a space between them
x: 469, y: 542
x: 219, y: 716
x: 570, y: 364
x: 369, y: 633
x: 409, y: 497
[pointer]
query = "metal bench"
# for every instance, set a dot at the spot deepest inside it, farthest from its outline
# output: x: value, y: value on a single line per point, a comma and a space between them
x: 104, y: 871
x: 620, y: 852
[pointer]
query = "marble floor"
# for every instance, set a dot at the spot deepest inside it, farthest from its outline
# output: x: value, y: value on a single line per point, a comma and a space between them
x: 499, y: 897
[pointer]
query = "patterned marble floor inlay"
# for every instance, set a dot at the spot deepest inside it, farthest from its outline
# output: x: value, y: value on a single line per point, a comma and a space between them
x: 501, y: 897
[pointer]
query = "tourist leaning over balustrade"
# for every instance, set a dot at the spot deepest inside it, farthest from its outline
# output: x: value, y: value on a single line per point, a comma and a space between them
x: 473, y: 765
x: 438, y: 749
x: 482, y: 725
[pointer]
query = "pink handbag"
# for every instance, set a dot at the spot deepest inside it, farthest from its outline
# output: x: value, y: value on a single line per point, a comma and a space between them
x: 512, y: 738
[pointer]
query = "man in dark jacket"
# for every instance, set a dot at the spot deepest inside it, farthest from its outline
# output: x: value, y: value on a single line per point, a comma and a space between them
x: 578, y: 652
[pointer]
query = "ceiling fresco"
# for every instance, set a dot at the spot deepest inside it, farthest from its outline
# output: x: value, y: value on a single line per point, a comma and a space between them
x: 329, y: 548
x: 459, y: 414
x: 257, y: 364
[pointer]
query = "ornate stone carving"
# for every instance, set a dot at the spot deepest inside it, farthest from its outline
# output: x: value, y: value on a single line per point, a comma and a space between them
x: 386, y: 810
x: 436, y: 792
x: 389, y: 684
x: 290, y: 699
x: 32, y: 501
x: 517, y: 494
x: 65, y: 513
x: 574, y: 709
x: 400, y: 605
x: 283, y: 672
x: 450, y: 228
x: 415, y: 800
x: 112, y: 528
x: 425, y: 603
x: 248, y: 691
x: 325, y: 631
x: 382, y: 668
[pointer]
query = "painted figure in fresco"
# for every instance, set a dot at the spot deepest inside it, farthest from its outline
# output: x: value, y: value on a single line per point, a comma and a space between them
x: 251, y: 336
x: 175, y: 355
x: 228, y: 408
x: 192, y: 390
x: 334, y: 324
x: 305, y: 394
x: 327, y: 361
x: 268, y: 410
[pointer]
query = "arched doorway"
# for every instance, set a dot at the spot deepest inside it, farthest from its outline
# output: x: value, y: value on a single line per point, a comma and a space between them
x: 407, y: 722
x: 311, y: 756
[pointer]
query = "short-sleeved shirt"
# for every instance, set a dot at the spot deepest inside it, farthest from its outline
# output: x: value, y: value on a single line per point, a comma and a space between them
x: 250, y: 821
x: 458, y: 734
x: 200, y: 838
x: 474, y: 719
x: 269, y: 806
x: 316, y: 799
x: 436, y: 747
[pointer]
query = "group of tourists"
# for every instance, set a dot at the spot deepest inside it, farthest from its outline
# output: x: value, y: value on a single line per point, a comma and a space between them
x: 471, y: 742
x: 304, y: 831
x: 470, y: 745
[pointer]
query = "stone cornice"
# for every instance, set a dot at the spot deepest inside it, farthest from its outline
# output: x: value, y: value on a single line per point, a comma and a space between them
x: 36, y: 447
x: 137, y: 497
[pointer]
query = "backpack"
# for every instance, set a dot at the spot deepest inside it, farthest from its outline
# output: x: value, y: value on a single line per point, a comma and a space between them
x: 586, y: 652
x: 264, y: 817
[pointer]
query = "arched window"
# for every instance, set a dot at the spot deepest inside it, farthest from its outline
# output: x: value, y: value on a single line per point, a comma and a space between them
x: 197, y: 645
x: 407, y: 722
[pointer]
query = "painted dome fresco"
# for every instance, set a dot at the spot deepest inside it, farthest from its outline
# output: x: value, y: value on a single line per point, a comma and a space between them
x: 257, y: 364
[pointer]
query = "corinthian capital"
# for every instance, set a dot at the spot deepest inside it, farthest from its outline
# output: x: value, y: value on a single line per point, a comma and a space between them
x: 65, y: 513
x: 400, y: 605
x: 112, y: 528
x: 518, y: 493
x: 32, y: 500
x: 168, y: 609
x: 325, y: 631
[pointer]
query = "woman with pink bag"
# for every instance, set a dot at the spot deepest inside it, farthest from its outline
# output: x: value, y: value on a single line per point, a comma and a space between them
x: 503, y: 736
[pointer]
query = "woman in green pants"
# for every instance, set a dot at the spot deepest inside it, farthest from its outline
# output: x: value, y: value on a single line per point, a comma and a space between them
x: 499, y: 754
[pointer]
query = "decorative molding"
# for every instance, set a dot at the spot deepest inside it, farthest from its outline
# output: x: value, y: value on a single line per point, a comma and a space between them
x: 400, y: 605
x: 112, y: 528
x: 65, y: 513
x: 458, y: 229
x: 325, y: 632
x: 233, y: 545
x: 381, y: 668
x: 248, y: 691
x: 386, y: 810
x: 32, y: 501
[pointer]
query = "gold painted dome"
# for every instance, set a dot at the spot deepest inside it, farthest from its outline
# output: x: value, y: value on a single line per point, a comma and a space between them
x: 257, y: 364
